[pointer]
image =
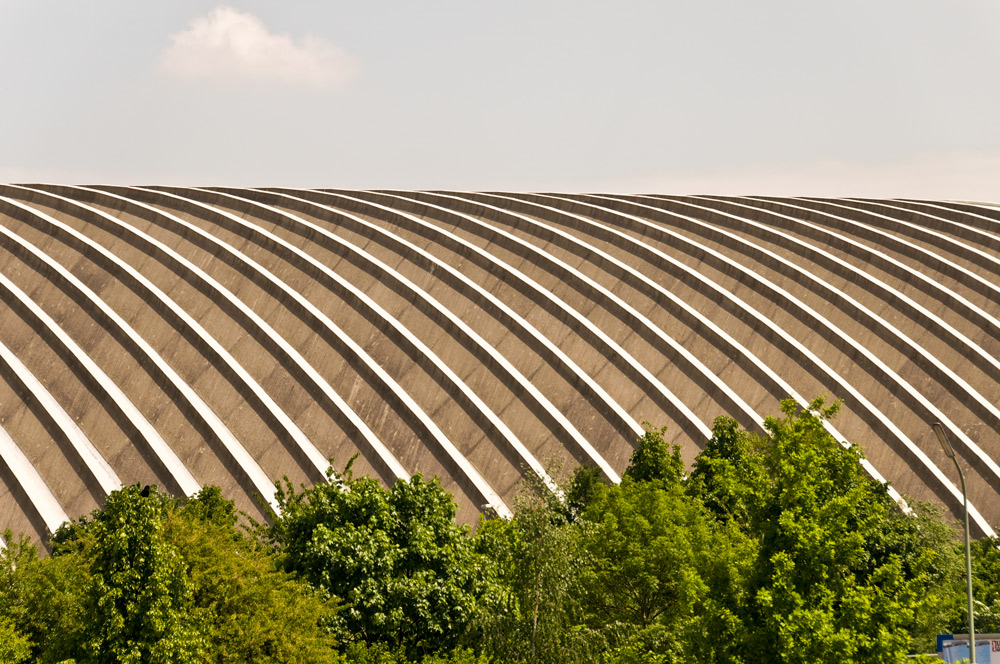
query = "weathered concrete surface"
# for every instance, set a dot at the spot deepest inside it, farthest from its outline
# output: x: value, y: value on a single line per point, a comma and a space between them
x: 184, y: 337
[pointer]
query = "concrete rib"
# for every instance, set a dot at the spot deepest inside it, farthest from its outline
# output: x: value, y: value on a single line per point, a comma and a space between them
x: 980, y: 216
x: 930, y: 411
x: 307, y: 453
x: 781, y: 265
x: 38, y: 492
x: 599, y: 257
x: 101, y: 473
x: 888, y: 374
x: 868, y: 220
x: 571, y: 434
x: 765, y: 324
x: 932, y: 219
x: 289, y: 357
x: 620, y: 270
x: 111, y: 395
x: 447, y: 320
x: 977, y: 223
x: 927, y: 361
x: 294, y: 254
x: 271, y: 241
x: 873, y: 216
x: 612, y: 349
x: 252, y: 472
x: 626, y: 313
x: 516, y: 323
x: 955, y: 301
x: 771, y: 295
x: 951, y: 379
x: 546, y: 298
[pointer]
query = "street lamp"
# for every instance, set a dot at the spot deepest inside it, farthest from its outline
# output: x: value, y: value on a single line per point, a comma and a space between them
x: 942, y: 436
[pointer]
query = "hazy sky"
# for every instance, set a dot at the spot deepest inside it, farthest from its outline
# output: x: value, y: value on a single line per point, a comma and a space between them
x: 873, y: 97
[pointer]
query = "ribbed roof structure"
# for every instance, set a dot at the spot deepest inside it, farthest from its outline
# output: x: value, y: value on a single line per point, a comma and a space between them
x: 186, y: 336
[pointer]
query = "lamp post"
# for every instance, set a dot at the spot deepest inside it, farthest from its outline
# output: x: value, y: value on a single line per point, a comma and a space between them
x: 942, y: 436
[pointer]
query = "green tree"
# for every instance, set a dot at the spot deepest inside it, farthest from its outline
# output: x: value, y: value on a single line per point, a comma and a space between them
x: 730, y: 475
x: 407, y: 573
x: 140, y: 602
x: 539, y: 557
x: 931, y: 560
x: 985, y: 589
x: 363, y: 653
x: 580, y: 491
x: 248, y: 609
x: 986, y: 582
x: 840, y: 574
x: 653, y: 459
x: 43, y: 598
x: 14, y: 646
x: 663, y: 579
x: 149, y: 578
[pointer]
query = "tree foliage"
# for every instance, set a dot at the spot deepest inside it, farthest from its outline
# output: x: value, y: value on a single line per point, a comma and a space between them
x: 987, y: 584
x: 776, y: 548
x: 985, y: 590
x: 661, y: 575
x: 249, y: 608
x: 407, y: 574
x: 539, y: 558
x: 653, y: 459
x: 149, y: 579
x: 841, y: 573
x: 140, y: 599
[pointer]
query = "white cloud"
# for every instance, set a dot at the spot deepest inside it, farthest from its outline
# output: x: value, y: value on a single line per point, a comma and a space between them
x: 233, y: 46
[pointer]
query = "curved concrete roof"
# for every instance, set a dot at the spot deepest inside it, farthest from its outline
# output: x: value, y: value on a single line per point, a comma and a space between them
x: 183, y: 337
